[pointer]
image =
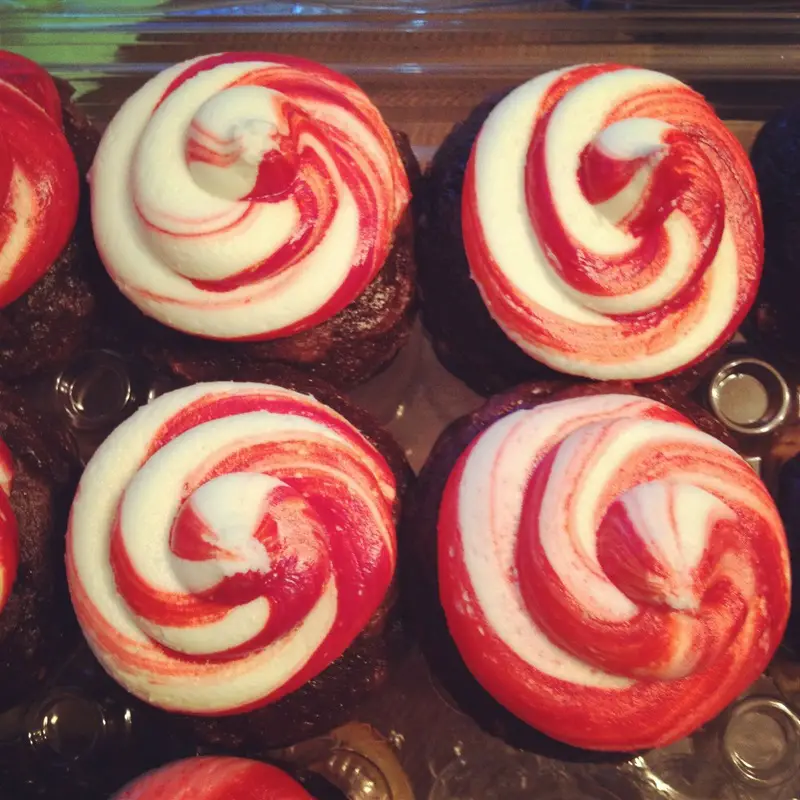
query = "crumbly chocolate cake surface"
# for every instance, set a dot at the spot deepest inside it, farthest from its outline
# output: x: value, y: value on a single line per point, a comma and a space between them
x: 37, y: 624
x: 345, y: 350
x: 419, y: 531
x: 46, y: 325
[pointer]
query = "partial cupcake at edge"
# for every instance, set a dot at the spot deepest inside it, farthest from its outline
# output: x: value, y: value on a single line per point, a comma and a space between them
x: 598, y: 221
x: 595, y: 563
x: 39, y: 469
x: 231, y: 557
x: 256, y: 208
x: 214, y: 778
x: 775, y: 155
x: 48, y: 263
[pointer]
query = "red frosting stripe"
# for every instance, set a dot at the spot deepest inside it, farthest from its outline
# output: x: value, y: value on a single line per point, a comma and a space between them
x: 611, y: 574
x: 621, y: 237
x: 38, y: 176
x: 215, y: 778
x: 227, y: 543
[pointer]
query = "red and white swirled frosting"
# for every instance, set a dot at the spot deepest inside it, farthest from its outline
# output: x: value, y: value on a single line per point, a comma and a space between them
x: 9, y: 544
x: 38, y: 176
x: 611, y: 574
x: 246, y: 195
x: 215, y: 778
x: 227, y: 543
x: 612, y: 222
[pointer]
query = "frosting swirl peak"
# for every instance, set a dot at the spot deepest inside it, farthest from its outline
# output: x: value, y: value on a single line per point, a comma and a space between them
x: 38, y: 176
x: 610, y: 573
x: 620, y: 236
x: 246, y: 195
x: 227, y: 543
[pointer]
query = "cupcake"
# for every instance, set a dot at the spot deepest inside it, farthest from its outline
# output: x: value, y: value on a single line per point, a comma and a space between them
x: 254, y: 208
x: 598, y: 221
x: 611, y: 575
x: 47, y: 256
x: 776, y: 161
x: 37, y: 471
x: 214, y: 778
x: 231, y: 556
